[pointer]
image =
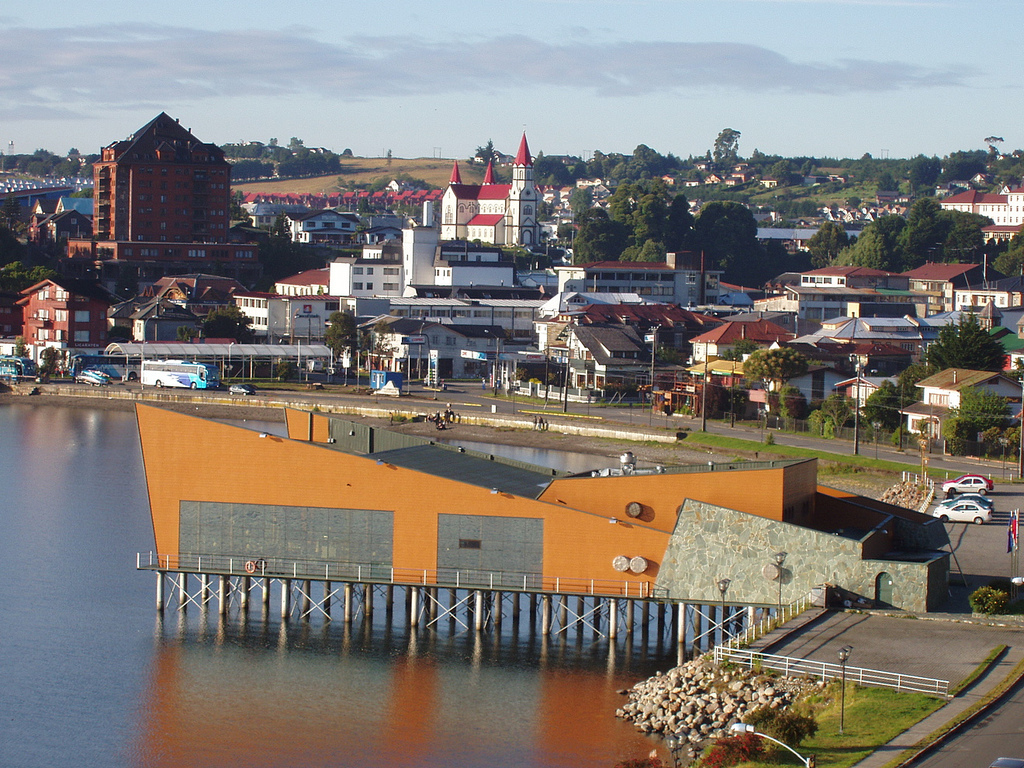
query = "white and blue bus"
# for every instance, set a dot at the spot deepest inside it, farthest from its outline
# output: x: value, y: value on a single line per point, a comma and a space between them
x: 13, y: 367
x: 180, y: 373
x: 115, y: 366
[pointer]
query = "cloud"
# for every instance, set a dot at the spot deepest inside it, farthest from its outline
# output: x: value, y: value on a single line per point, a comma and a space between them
x: 62, y: 70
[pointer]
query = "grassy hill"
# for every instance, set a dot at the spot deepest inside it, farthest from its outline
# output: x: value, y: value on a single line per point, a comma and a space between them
x: 366, y: 170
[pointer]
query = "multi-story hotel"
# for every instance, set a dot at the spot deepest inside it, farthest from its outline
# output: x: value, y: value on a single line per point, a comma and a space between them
x: 161, y: 206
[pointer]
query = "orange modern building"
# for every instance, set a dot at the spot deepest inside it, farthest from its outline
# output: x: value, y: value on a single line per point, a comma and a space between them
x: 341, y: 501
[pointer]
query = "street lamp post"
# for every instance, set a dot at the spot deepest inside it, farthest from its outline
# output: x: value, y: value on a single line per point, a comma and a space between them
x: 704, y: 397
x: 856, y: 410
x: 723, y: 586
x: 875, y: 426
x: 807, y: 762
x: 676, y: 746
x: 844, y: 656
x: 780, y: 560
x: 653, y: 337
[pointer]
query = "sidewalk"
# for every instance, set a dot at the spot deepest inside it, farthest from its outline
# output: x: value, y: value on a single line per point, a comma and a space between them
x: 957, y: 644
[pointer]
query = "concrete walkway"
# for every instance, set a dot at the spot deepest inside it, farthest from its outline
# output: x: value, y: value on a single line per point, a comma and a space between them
x: 948, y: 647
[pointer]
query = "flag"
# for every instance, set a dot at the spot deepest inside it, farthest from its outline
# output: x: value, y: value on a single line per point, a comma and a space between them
x: 1011, y: 531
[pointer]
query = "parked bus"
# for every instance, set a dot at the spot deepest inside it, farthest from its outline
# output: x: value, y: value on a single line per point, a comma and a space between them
x: 16, y: 367
x: 180, y: 373
x: 114, y: 366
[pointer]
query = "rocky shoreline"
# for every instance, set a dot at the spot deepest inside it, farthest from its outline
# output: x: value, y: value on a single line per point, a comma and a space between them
x: 699, y: 701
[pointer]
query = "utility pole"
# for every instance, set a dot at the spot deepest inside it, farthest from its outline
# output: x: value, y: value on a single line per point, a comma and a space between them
x: 704, y: 397
x: 653, y: 338
x: 856, y: 411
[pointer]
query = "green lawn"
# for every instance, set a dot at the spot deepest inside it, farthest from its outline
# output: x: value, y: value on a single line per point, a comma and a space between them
x: 873, y: 717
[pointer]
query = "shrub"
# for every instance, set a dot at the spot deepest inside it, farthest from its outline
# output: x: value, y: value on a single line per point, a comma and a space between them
x: 784, y: 724
x: 769, y: 439
x: 285, y: 370
x: 989, y: 600
x: 733, y: 750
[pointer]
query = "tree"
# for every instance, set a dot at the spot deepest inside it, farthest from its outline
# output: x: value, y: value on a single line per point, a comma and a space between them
x: 882, y: 406
x: 51, y: 358
x: 836, y: 410
x: 826, y: 243
x: 487, y: 153
x: 979, y: 410
x: 727, y: 233
x: 775, y: 367
x: 966, y: 345
x: 228, y: 323
x: 186, y: 333
x: 727, y: 145
x: 341, y: 332
x: 10, y: 213
x: 598, y: 238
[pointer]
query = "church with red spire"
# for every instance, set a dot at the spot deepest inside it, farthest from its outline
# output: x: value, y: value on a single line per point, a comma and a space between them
x: 499, y: 214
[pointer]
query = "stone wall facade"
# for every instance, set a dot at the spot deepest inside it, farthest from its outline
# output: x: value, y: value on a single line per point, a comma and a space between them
x: 710, y: 543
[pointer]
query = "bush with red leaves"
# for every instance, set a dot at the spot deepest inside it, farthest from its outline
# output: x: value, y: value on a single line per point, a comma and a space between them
x: 733, y: 750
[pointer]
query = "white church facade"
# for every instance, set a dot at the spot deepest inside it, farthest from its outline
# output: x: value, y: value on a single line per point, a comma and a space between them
x: 499, y: 214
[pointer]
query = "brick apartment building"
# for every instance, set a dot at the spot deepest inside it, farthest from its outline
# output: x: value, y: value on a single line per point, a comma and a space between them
x: 161, y: 206
x: 65, y: 313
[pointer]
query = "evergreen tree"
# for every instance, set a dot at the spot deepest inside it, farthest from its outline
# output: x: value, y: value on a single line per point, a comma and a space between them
x: 966, y: 345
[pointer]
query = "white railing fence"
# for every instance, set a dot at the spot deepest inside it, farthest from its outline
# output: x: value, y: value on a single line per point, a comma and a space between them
x: 828, y: 671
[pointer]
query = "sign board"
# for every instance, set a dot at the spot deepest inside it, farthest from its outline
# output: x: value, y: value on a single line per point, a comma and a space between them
x: 532, y: 357
x: 413, y: 340
x: 471, y: 355
x: 346, y: 360
x: 433, y: 354
x: 509, y: 356
x: 650, y: 338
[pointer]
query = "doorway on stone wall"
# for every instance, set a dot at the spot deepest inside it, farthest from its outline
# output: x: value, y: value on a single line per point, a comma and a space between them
x: 883, y: 588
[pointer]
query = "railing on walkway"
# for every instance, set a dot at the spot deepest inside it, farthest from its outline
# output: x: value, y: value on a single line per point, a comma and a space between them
x: 449, y: 578
x: 769, y: 622
x: 827, y: 671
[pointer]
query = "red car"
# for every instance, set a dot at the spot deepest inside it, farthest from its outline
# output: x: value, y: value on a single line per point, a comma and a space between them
x: 967, y: 484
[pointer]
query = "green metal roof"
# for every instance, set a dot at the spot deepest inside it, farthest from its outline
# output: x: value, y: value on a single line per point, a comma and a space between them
x: 473, y: 468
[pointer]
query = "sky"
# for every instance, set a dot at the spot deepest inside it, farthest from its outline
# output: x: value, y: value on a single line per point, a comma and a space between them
x: 893, y: 78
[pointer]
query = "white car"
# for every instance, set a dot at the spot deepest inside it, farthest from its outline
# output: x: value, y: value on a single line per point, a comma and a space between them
x: 963, y: 511
x: 967, y: 484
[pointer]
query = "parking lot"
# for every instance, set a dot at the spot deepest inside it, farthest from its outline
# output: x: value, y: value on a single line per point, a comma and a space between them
x: 980, y: 550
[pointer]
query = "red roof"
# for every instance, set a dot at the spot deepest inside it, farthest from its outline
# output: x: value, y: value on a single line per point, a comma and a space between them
x: 485, y: 220
x: 933, y: 271
x: 523, y: 156
x: 456, y: 176
x: 622, y: 265
x: 763, y: 331
x: 975, y: 197
x: 478, y: 192
x: 489, y: 175
x: 858, y: 271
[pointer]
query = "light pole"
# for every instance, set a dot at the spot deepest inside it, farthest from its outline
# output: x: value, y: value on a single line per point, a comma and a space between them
x: 676, y: 745
x: 652, y: 336
x: 723, y: 586
x: 704, y: 397
x: 844, y: 656
x: 856, y: 410
x: 875, y: 426
x: 808, y: 761
x: 780, y: 560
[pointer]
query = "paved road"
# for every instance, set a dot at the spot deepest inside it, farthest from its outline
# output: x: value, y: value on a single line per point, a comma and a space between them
x: 1000, y: 734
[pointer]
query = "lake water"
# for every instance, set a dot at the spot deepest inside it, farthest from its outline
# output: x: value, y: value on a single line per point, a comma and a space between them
x: 93, y: 677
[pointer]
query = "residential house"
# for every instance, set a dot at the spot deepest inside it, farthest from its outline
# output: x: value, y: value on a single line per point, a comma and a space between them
x: 831, y: 292
x: 1003, y: 293
x: 683, y: 278
x: 600, y: 356
x: 462, y: 351
x: 327, y: 227
x: 11, y: 323
x: 308, y: 283
x: 942, y: 391
x: 65, y: 313
x: 720, y: 341
x: 941, y: 281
